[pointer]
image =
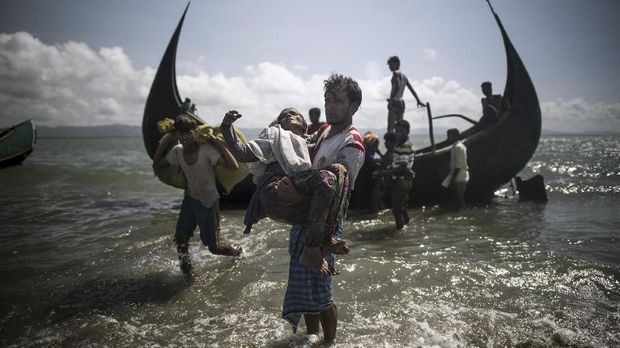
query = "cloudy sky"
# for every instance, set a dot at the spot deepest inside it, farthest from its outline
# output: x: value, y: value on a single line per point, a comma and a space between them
x: 74, y: 62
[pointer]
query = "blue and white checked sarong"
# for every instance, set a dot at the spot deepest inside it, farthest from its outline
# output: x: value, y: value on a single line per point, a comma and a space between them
x: 306, y: 291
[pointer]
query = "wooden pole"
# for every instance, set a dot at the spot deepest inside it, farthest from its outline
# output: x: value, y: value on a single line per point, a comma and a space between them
x: 430, y: 126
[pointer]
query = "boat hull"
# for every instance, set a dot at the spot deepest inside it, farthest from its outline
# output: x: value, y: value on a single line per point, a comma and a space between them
x: 495, y: 154
x: 17, y: 143
x: 164, y: 101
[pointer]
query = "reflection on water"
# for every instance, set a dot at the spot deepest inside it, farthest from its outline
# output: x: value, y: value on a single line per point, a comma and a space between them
x: 88, y: 260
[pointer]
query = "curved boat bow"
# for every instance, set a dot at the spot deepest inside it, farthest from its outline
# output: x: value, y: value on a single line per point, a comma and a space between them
x: 495, y: 154
x: 164, y: 101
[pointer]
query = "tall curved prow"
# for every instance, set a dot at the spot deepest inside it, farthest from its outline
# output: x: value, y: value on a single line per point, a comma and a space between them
x: 499, y: 153
x: 521, y: 93
x: 164, y: 99
x: 495, y: 154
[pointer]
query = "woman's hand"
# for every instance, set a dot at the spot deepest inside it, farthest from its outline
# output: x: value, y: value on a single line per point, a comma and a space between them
x: 230, y: 117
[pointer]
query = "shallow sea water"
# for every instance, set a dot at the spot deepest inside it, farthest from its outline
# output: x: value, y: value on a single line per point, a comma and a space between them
x: 88, y: 260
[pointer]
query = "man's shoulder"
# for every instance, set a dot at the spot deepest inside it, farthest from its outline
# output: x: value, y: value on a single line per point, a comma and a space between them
x: 353, y: 131
x: 345, y: 139
x: 178, y: 148
x: 207, y: 146
x: 354, y: 139
x: 209, y: 149
x: 321, y: 131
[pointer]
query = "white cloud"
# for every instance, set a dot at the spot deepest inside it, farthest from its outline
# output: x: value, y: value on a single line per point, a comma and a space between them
x: 193, y: 67
x: 430, y: 54
x: 301, y: 67
x: 68, y: 84
x: 577, y: 115
x: 72, y: 84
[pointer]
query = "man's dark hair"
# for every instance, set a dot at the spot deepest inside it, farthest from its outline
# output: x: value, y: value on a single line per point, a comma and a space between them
x: 486, y: 83
x: 338, y: 82
x: 185, y: 123
x: 389, y: 136
x: 314, y: 111
x: 394, y: 59
x: 453, y: 132
x: 403, y: 124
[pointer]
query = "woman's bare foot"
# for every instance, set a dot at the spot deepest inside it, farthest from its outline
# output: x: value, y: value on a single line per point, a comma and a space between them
x: 311, y: 257
x: 334, y: 271
x: 337, y: 247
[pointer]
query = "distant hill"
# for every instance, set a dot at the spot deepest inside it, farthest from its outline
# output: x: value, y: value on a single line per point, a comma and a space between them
x: 124, y: 131
x: 116, y: 130
x: 549, y: 132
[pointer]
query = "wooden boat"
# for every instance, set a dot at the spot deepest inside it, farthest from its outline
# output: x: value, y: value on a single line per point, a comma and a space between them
x: 16, y: 143
x: 495, y: 154
x: 164, y: 101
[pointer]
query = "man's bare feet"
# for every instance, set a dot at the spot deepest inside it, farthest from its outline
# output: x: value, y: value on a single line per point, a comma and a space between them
x: 185, y: 263
x: 229, y: 251
x: 237, y: 251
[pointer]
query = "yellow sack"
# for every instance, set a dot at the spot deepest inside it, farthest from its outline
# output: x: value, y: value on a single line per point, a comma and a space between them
x: 226, y: 177
x: 173, y: 176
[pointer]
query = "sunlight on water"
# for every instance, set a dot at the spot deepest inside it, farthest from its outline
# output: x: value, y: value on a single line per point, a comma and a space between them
x: 88, y: 259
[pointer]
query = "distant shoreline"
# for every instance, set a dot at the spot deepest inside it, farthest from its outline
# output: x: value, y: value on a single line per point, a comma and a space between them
x: 123, y: 131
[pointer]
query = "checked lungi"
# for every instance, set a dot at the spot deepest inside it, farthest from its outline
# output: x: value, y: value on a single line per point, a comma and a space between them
x: 306, y: 291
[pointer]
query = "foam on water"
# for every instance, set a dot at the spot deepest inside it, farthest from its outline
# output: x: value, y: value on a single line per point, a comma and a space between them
x: 88, y: 260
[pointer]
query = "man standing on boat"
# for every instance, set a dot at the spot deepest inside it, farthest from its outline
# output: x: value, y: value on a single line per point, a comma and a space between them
x: 396, y: 104
x: 308, y: 293
x: 493, y: 106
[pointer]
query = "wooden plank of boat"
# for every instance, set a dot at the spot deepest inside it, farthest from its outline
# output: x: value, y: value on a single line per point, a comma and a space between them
x: 496, y: 154
x: 164, y: 101
x: 16, y: 143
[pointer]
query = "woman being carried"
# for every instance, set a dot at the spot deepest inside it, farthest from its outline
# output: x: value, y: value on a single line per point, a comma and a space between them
x: 281, y: 164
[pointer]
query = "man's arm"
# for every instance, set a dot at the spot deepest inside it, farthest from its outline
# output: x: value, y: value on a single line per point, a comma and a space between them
x: 352, y: 158
x: 167, y: 142
x: 414, y: 94
x: 227, y: 159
